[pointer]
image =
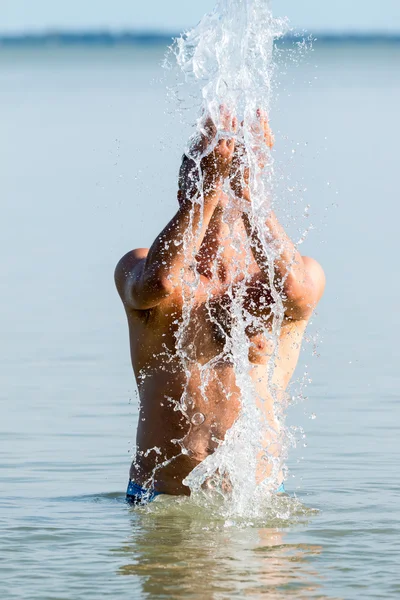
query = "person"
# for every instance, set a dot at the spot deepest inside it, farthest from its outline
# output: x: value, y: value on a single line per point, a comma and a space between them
x: 196, y: 246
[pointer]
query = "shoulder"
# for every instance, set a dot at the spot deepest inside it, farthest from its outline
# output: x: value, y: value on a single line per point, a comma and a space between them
x: 317, y: 276
x: 127, y: 265
x: 311, y: 290
x: 306, y: 290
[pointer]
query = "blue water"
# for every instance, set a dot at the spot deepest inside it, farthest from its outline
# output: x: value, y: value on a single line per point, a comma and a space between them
x: 90, y: 154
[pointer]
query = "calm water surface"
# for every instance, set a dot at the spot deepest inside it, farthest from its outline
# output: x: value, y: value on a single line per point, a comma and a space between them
x: 89, y: 156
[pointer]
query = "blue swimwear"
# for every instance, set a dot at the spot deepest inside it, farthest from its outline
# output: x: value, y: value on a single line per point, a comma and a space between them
x: 138, y: 496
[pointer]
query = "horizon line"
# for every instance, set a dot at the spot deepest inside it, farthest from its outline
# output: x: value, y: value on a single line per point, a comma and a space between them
x: 131, y: 37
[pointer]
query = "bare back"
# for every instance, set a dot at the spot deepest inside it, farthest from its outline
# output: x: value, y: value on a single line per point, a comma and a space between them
x: 189, y: 394
x: 171, y: 442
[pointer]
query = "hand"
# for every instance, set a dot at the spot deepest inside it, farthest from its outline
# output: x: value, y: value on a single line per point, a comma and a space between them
x: 240, y: 171
x: 215, y: 165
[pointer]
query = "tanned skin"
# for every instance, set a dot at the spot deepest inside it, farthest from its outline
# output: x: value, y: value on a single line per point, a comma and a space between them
x: 149, y: 282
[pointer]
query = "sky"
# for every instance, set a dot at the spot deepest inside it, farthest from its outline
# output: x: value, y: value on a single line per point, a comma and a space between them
x: 175, y: 15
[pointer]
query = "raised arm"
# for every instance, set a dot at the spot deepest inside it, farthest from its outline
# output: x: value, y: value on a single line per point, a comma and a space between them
x: 145, y: 278
x: 300, y: 280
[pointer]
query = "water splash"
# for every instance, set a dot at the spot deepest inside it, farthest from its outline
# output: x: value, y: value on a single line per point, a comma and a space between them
x: 227, y: 61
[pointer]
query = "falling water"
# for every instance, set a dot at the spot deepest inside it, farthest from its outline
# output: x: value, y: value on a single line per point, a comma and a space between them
x: 227, y: 60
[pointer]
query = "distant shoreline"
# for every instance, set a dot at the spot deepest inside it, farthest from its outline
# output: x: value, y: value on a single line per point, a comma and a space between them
x: 131, y: 38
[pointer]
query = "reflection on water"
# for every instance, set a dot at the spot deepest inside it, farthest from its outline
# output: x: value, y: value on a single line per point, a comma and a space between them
x: 177, y: 551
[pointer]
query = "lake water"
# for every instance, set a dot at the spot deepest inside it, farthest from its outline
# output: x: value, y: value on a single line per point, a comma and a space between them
x: 89, y: 154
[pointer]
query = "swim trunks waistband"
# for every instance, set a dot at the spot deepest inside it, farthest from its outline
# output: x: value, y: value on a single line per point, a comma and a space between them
x: 138, y: 495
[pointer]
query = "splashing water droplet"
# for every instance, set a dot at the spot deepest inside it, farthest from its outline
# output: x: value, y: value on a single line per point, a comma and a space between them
x: 227, y: 60
x: 198, y: 419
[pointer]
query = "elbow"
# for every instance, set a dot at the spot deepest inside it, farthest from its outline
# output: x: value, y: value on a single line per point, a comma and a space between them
x: 303, y: 297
